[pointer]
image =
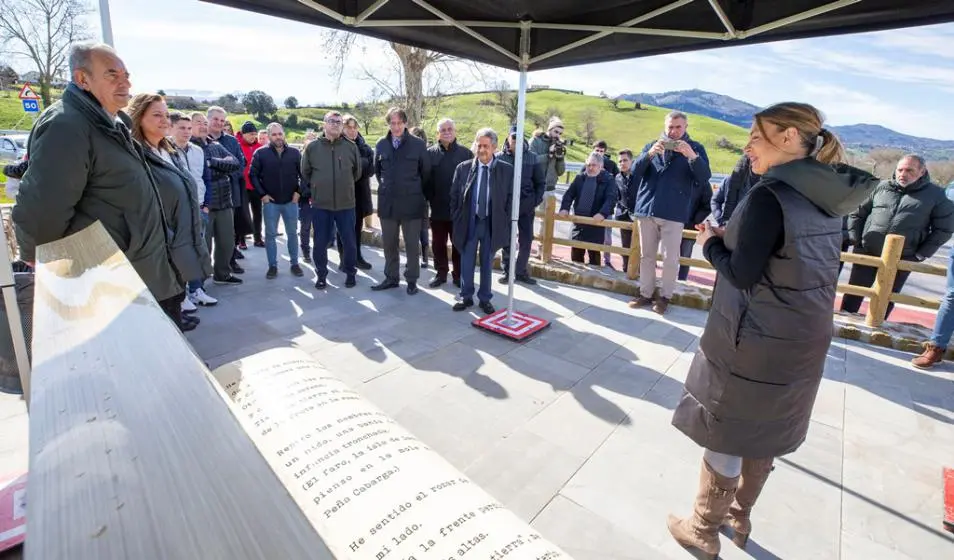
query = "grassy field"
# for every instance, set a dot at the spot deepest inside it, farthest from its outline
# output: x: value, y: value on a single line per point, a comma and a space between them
x: 622, y: 127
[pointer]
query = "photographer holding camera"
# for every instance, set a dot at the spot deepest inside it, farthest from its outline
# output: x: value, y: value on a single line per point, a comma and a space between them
x: 669, y: 170
x: 551, y: 152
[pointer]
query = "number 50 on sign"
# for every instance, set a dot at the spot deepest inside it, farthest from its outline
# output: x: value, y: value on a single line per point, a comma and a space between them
x: 31, y: 106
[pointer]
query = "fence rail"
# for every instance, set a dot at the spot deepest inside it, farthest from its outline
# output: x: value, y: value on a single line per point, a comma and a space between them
x: 887, y: 264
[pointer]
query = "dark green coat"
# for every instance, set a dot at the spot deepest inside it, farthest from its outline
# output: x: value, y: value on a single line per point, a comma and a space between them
x: 84, y: 168
x: 921, y: 212
x: 177, y: 191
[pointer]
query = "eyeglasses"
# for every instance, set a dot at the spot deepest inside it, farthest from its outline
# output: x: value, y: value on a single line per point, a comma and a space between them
x: 333, y: 121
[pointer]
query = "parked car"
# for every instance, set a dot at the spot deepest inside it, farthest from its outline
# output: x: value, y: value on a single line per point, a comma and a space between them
x: 13, y: 147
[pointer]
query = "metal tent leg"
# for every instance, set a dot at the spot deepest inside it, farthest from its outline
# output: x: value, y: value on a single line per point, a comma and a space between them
x: 517, y: 178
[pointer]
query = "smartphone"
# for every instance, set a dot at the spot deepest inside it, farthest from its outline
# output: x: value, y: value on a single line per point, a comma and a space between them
x: 670, y: 144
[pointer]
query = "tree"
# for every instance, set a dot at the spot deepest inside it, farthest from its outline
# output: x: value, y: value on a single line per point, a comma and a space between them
x: 8, y: 76
x: 259, y: 104
x: 885, y: 160
x: 291, y: 102
x: 405, y: 83
x: 942, y: 172
x: 615, y: 102
x: 42, y: 31
x: 588, y: 126
x: 229, y: 102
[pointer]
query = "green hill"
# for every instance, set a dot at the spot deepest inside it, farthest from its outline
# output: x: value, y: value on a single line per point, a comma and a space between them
x: 622, y: 127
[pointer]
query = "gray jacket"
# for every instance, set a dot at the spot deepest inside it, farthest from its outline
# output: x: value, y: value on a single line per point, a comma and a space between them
x: 752, y: 383
x: 84, y: 167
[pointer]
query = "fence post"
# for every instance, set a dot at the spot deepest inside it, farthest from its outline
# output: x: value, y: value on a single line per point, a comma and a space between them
x: 635, y: 247
x: 884, y: 281
x: 548, y: 224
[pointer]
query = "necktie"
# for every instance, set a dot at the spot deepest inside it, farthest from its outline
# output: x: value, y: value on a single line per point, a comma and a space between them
x: 482, y: 192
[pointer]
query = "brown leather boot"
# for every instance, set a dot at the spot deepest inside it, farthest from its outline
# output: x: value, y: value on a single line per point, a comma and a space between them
x: 701, y: 530
x: 754, y: 474
x: 931, y: 356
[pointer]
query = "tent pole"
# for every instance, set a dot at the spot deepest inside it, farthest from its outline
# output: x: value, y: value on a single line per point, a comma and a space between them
x: 517, y: 179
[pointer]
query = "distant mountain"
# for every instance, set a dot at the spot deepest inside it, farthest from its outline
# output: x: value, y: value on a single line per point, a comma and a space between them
x: 860, y: 137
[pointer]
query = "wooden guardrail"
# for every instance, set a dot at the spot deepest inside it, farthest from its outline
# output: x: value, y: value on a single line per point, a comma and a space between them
x: 888, y: 264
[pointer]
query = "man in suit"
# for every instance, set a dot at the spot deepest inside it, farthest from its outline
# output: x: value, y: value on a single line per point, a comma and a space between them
x: 480, y: 206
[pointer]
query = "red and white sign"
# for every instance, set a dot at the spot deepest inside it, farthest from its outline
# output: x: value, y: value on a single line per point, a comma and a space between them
x: 27, y: 92
x: 12, y: 511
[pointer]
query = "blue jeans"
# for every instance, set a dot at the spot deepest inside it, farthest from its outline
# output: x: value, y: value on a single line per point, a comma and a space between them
x: 479, y: 232
x: 324, y: 223
x: 944, y: 324
x: 193, y: 285
x: 288, y: 212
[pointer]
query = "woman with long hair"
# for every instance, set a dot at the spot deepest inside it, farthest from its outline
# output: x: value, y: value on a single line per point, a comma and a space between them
x: 750, y: 390
x: 177, y: 191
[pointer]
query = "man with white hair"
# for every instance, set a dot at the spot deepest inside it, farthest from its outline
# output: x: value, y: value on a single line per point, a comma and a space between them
x: 445, y: 156
x: 277, y: 181
x: 85, y: 167
x: 909, y: 205
x: 480, y: 204
x: 668, y: 170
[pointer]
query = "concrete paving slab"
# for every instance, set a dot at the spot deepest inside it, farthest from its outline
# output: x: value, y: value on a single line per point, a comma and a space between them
x: 572, y: 428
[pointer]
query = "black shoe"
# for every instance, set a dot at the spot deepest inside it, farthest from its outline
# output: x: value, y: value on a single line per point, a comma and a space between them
x: 186, y: 326
x: 412, y: 288
x: 487, y: 307
x: 525, y: 279
x: 464, y: 304
x: 504, y: 279
x: 237, y: 255
x: 350, y: 282
x: 236, y: 269
x: 242, y: 246
x: 259, y: 243
x: 437, y: 282
x: 191, y: 319
x: 296, y: 270
x: 228, y: 280
x: 272, y: 272
x: 423, y: 262
x: 306, y: 255
x: 457, y: 282
x: 321, y: 284
x: 385, y: 285
x: 363, y: 264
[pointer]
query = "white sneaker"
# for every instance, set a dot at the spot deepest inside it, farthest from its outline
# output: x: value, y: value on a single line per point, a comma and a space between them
x: 199, y: 297
x: 188, y: 306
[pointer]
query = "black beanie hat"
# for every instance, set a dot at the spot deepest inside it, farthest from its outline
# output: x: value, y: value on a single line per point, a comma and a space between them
x: 249, y: 126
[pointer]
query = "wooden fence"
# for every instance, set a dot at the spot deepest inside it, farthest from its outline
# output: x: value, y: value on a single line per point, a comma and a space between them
x: 888, y: 264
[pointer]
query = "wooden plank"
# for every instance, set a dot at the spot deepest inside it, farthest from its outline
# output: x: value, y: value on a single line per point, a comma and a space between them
x: 855, y: 290
x: 867, y: 260
x: 916, y: 301
x: 923, y: 268
x: 587, y: 221
x: 591, y: 246
x: 134, y: 451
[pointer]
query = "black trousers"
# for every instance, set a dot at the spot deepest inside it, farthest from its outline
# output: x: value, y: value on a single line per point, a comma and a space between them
x: 865, y: 276
x: 256, y: 203
x: 441, y: 233
x: 626, y: 236
x: 173, y: 308
x: 524, y: 242
x: 576, y: 255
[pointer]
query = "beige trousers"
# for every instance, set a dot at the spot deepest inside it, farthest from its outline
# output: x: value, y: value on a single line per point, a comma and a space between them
x: 656, y: 234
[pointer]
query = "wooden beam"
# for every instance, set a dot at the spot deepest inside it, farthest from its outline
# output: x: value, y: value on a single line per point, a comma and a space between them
x: 134, y: 451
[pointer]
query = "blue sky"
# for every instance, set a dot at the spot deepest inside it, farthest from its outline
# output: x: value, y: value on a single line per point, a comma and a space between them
x: 901, y: 79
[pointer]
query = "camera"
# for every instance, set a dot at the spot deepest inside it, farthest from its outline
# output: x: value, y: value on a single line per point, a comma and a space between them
x: 558, y: 149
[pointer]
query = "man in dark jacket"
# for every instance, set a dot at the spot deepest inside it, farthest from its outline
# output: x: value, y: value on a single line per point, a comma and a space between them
x: 84, y: 167
x: 626, y: 186
x: 332, y: 165
x: 600, y: 147
x: 276, y: 176
x: 218, y: 188
x: 403, y: 169
x: 363, y: 205
x: 733, y: 190
x: 670, y: 169
x: 480, y: 205
x: 700, y: 207
x: 217, y: 117
x: 909, y: 205
x: 532, y: 187
x: 444, y: 156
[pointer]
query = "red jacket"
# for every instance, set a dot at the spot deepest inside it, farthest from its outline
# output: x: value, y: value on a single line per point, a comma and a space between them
x: 247, y: 151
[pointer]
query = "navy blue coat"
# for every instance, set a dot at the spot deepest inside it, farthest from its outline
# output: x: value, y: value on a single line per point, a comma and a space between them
x: 278, y: 176
x: 603, y: 202
x: 667, y: 182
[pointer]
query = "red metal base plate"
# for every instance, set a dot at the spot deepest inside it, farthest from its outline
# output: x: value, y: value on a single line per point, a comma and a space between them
x: 949, y: 499
x: 521, y: 328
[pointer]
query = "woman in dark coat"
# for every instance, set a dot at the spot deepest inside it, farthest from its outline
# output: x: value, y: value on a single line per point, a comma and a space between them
x: 364, y: 206
x: 177, y: 192
x: 750, y: 389
x: 592, y: 194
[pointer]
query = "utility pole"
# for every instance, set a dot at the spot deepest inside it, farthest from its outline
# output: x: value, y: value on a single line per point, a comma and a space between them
x: 105, y: 22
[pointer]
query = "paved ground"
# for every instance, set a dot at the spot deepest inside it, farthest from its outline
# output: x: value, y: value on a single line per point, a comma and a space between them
x: 571, y: 430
